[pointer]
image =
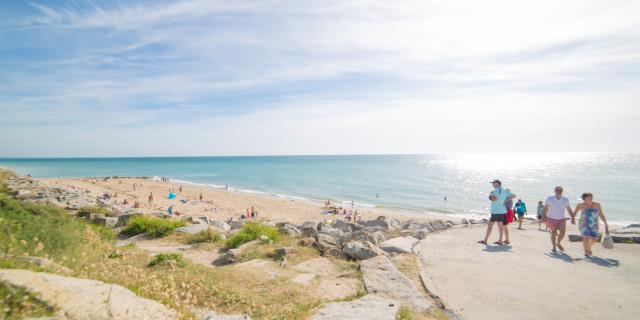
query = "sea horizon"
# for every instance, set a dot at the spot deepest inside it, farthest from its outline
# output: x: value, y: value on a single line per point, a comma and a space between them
x: 410, y: 183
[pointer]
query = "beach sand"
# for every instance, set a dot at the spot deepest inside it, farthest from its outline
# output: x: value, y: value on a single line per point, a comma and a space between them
x: 227, y: 203
x: 527, y: 281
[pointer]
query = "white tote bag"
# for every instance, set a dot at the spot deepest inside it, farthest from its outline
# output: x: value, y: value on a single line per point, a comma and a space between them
x: 607, y: 242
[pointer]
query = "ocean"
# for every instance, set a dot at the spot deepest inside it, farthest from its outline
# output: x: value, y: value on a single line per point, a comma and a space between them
x: 415, y: 184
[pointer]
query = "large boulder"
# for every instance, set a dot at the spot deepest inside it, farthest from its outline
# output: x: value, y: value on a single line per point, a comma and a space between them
x: 422, y: 233
x: 291, y: 230
x: 75, y: 298
x: 233, y: 255
x: 193, y: 229
x: 198, y: 220
x: 368, y: 307
x: 382, y: 222
x: 345, y: 226
x: 221, y: 226
x: 439, y: 225
x: 383, y: 279
x: 334, y: 252
x: 360, y: 250
x: 399, y: 245
x: 326, y: 241
x: 124, y: 219
x: 374, y: 237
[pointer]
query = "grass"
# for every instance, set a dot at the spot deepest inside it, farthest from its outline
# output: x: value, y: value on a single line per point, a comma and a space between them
x: 47, y: 231
x: 251, y: 231
x: 152, y: 226
x: 17, y: 303
x: 167, y: 259
x: 204, y: 236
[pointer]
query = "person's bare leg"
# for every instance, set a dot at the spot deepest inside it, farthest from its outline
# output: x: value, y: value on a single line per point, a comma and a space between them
x: 520, y: 222
x: 505, y: 227
x: 562, y: 230
x: 585, y: 245
x: 553, y: 238
x: 488, y: 233
x: 590, y: 242
x: 539, y: 225
x: 501, y: 229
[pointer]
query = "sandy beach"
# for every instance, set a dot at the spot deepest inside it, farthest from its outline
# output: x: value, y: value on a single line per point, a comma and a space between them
x: 217, y: 204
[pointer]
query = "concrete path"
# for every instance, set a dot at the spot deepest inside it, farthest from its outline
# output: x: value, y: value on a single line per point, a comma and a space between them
x: 527, y: 281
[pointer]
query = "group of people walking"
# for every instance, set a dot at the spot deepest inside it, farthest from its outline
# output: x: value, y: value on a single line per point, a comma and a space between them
x: 552, y: 213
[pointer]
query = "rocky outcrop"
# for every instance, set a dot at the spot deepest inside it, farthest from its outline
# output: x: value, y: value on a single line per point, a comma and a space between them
x: 368, y: 307
x: 291, y: 230
x: 399, y: 245
x: 383, y: 279
x: 361, y: 250
x: 232, y: 255
x: 86, y: 299
x: 193, y: 229
x: 374, y: 237
x: 221, y: 226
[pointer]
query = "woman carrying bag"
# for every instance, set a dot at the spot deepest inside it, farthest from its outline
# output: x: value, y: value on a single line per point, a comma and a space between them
x: 591, y: 212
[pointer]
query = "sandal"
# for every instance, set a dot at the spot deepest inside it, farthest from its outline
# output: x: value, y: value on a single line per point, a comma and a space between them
x: 507, y: 242
x: 482, y: 242
x: 498, y: 243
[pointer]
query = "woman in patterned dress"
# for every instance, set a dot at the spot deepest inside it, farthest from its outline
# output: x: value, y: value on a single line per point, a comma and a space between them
x: 591, y: 212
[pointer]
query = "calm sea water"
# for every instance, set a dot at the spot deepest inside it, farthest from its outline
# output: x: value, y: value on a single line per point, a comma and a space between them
x: 412, y: 183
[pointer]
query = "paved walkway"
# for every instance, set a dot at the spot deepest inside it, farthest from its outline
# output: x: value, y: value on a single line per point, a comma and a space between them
x: 526, y: 281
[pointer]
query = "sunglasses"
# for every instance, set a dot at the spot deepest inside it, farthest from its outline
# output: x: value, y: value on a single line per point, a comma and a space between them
x: 559, y: 190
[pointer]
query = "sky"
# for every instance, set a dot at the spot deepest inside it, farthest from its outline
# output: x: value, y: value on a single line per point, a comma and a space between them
x: 189, y: 78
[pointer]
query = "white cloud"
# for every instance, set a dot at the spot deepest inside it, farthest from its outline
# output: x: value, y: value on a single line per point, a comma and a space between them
x: 337, y: 76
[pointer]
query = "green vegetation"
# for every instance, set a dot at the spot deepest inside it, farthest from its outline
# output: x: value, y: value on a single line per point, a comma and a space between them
x: 204, y: 236
x: 152, y: 226
x: 167, y: 259
x: 87, y: 211
x: 251, y: 231
x: 38, y: 230
x: 17, y: 303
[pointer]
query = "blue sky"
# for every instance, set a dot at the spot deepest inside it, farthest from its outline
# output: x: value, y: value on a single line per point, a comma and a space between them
x: 146, y: 78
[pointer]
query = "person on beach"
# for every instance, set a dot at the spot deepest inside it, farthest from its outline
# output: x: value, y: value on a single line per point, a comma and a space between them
x: 200, y: 196
x: 590, y: 212
x: 553, y: 216
x: 134, y: 186
x: 540, y: 211
x: 253, y: 212
x: 521, y: 210
x: 498, y: 197
x: 510, y: 218
x: 150, y: 200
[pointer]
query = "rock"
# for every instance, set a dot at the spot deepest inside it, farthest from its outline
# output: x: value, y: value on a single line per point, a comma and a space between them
x: 307, y: 242
x: 264, y: 239
x: 399, y: 245
x: 373, y: 237
x: 368, y: 307
x: 326, y: 241
x: 232, y: 255
x: 464, y: 221
x: 23, y: 193
x: 309, y: 231
x: 345, y: 226
x: 439, y: 225
x: 334, y: 252
x: 421, y: 234
x: 327, y: 229
x: 86, y: 299
x: 383, y: 279
x: 382, y: 222
x: 198, y: 220
x: 281, y: 252
x: 109, y: 222
x: 40, y: 262
x: 221, y: 226
x: 360, y: 250
x: 291, y: 230
x: 575, y: 238
x: 193, y: 229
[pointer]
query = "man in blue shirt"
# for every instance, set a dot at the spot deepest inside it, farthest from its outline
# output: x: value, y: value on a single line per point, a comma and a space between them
x: 521, y: 210
x: 498, y: 211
